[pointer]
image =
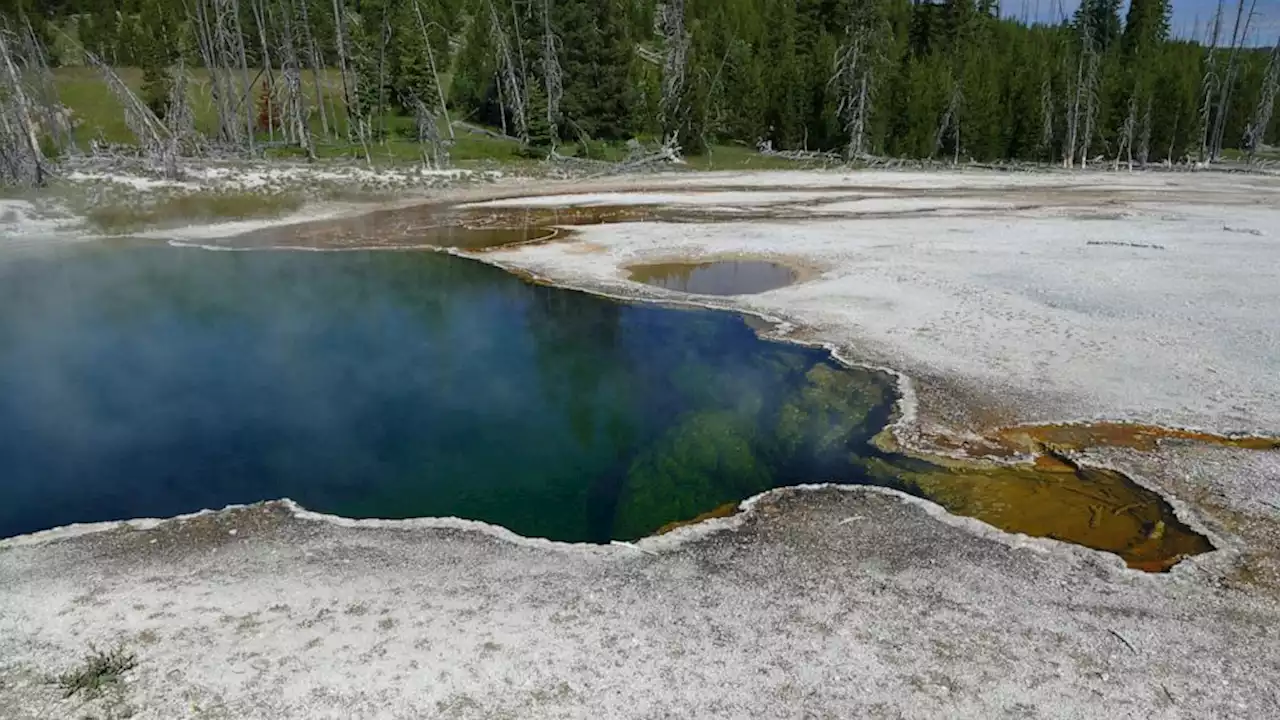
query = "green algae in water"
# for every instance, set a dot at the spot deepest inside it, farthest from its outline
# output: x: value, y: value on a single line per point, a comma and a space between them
x: 153, y: 381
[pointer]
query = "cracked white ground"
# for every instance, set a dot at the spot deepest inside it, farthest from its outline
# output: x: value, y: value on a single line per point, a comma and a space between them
x: 1006, y: 298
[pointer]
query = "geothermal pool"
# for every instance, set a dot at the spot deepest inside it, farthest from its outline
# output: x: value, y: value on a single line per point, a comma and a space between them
x: 142, y: 380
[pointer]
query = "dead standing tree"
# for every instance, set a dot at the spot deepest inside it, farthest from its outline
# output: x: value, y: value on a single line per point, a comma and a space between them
x: 435, y: 153
x: 153, y: 136
x: 1127, y: 131
x: 1082, y: 106
x: 1238, y: 36
x: 260, y: 19
x: 431, y: 60
x: 1047, y: 107
x: 358, y: 126
x: 951, y: 121
x: 512, y: 82
x: 1144, y: 133
x: 552, y: 75
x: 854, y: 79
x: 179, y: 118
x: 294, y: 103
x: 22, y: 162
x: 674, y: 65
x: 1209, y: 83
x: 317, y: 65
x: 344, y: 68
x: 1261, y: 120
x: 51, y: 115
x: 221, y: 43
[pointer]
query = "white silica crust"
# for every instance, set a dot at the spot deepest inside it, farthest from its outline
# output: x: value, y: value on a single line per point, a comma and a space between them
x: 841, y: 602
x: 1146, y: 297
x: 1037, y: 297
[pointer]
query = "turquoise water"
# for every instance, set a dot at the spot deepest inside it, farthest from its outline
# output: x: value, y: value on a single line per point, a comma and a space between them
x: 153, y: 381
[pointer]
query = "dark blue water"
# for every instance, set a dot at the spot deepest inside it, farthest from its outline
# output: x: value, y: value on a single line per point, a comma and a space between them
x: 152, y: 381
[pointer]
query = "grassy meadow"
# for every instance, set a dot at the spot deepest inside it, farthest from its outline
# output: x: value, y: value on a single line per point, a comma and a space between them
x: 97, y: 114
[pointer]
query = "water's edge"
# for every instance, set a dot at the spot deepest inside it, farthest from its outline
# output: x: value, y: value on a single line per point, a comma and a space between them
x: 901, y: 424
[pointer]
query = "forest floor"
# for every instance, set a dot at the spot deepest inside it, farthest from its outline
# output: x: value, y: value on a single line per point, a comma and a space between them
x: 1003, y: 298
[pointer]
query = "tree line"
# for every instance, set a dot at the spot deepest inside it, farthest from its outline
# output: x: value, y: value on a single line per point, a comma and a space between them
x: 947, y: 79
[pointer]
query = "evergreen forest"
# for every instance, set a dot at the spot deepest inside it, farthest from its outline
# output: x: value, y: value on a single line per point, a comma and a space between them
x: 951, y: 80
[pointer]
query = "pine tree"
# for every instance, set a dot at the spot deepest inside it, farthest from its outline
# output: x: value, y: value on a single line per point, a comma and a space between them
x: 785, y: 113
x: 1103, y: 17
x: 368, y: 39
x: 597, y: 56
x: 540, y: 135
x: 1146, y: 25
x: 156, y: 50
x: 412, y: 79
x: 473, y: 90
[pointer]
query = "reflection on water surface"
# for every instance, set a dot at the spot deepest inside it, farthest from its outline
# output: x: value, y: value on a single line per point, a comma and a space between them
x: 720, y: 277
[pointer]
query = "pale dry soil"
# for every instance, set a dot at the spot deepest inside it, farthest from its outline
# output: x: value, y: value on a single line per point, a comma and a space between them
x: 824, y: 603
x: 1007, y: 298
x: 1003, y: 298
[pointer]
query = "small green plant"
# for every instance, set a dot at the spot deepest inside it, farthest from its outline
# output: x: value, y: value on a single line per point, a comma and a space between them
x: 96, y: 671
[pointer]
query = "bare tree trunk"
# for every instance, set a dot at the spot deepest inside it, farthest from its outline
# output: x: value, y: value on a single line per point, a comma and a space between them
x: 434, y: 153
x: 1073, y: 118
x: 1046, y: 115
x: 207, y: 39
x: 514, y: 88
x: 674, y: 66
x: 551, y: 72
x: 295, y: 105
x: 715, y: 101
x: 502, y: 111
x: 950, y: 119
x: 524, y: 67
x: 179, y: 117
x: 21, y: 142
x: 1144, y: 135
x: 1261, y: 120
x: 1224, y: 92
x: 1126, y: 135
x: 1090, y: 104
x: 153, y: 136
x: 431, y: 59
x: 1209, y: 83
x: 384, y: 37
x: 53, y: 116
x: 313, y: 58
x: 853, y: 78
x: 236, y: 39
x: 260, y: 17
x: 339, y: 30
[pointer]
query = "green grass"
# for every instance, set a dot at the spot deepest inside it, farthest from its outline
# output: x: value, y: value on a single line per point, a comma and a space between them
x: 738, y: 157
x: 97, y: 114
x: 1236, y: 155
x: 173, y: 210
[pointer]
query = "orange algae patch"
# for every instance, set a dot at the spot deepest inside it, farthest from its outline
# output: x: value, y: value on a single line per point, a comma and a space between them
x: 1137, y: 437
x: 726, y: 510
x: 1094, y: 507
x: 1021, y: 440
